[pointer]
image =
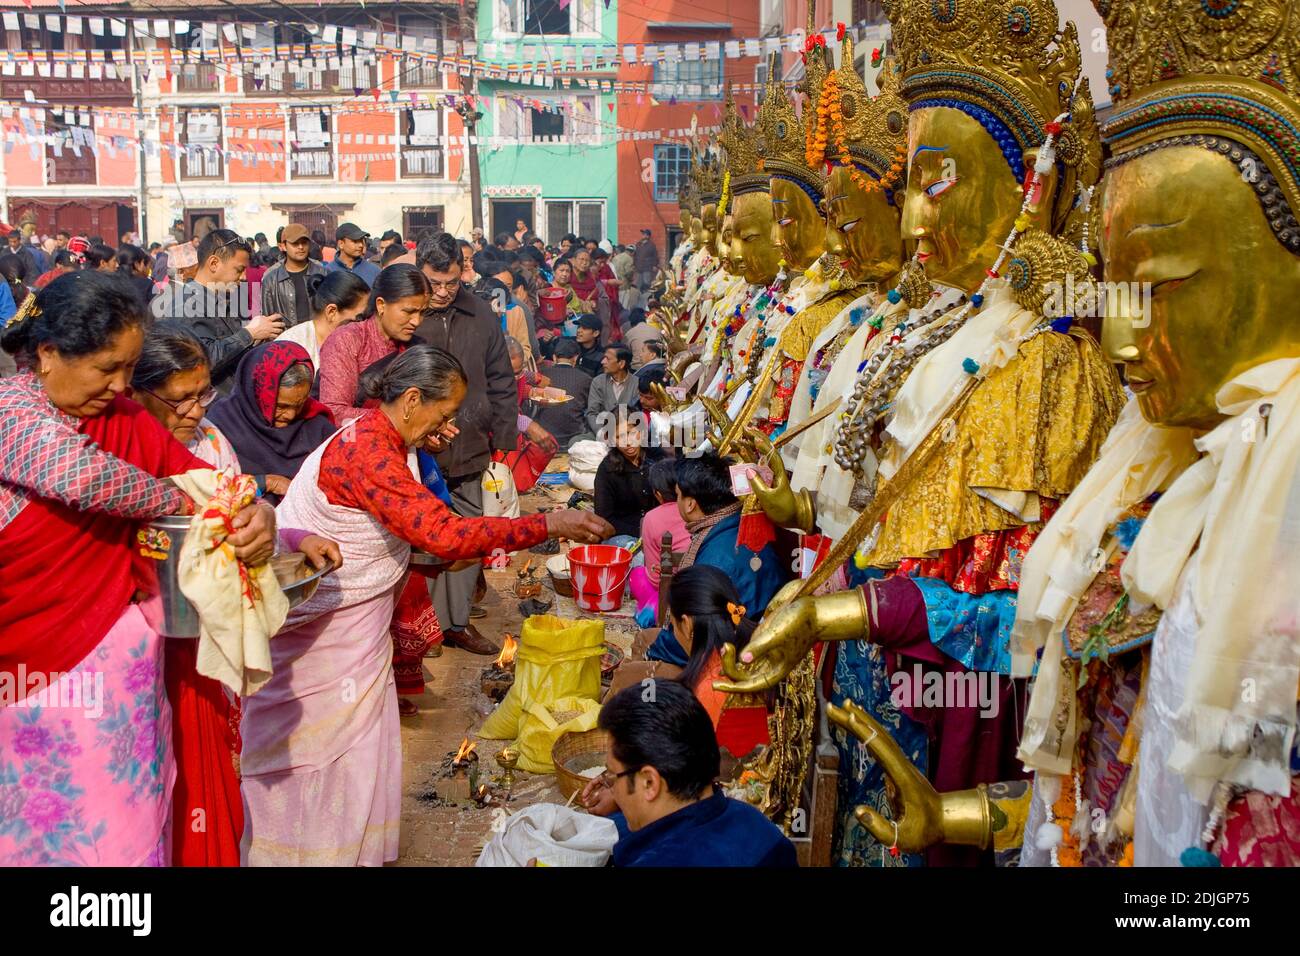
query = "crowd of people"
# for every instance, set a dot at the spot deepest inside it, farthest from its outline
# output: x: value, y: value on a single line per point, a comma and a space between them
x: 226, y: 353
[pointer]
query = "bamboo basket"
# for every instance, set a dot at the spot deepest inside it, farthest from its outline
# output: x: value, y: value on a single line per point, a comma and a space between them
x: 573, y: 753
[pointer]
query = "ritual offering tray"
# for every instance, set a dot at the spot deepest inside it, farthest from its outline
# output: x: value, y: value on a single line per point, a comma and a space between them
x: 169, y: 612
x: 549, y: 395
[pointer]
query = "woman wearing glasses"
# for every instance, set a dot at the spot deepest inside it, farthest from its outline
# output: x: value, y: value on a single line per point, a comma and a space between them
x: 173, y: 381
x: 87, y: 765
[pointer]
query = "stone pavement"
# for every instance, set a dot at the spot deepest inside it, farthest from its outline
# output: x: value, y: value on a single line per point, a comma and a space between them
x: 450, y: 836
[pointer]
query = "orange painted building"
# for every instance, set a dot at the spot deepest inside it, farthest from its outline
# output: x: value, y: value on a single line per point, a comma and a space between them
x: 651, y: 169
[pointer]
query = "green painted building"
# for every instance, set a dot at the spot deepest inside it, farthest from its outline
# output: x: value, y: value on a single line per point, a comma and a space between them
x: 547, y: 145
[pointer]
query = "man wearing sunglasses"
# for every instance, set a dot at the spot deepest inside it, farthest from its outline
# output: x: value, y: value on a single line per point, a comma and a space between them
x: 658, y: 787
x: 215, y: 302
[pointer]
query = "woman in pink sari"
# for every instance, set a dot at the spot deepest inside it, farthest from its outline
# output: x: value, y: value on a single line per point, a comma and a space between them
x: 322, y: 776
x: 86, y: 764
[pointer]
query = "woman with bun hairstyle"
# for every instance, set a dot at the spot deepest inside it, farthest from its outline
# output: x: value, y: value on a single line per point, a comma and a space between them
x: 706, y: 614
x: 322, y: 758
x: 337, y: 298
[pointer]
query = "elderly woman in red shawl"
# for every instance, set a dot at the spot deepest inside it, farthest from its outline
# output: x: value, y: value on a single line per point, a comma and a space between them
x: 270, y: 418
x: 86, y: 754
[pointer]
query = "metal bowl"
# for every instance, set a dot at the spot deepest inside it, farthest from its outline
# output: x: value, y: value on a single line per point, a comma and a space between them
x: 168, y: 611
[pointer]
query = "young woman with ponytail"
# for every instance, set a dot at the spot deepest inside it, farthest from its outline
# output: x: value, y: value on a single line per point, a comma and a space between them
x: 337, y: 298
x: 706, y: 613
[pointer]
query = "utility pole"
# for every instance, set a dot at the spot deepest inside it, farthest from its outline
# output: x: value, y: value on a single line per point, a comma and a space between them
x: 137, y: 97
x: 467, y: 108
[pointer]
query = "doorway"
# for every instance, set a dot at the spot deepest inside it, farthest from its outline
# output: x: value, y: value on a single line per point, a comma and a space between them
x: 506, y: 211
x: 200, y: 222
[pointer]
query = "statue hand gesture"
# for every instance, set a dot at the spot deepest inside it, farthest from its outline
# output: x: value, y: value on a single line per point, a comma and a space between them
x: 923, y: 816
x: 788, y: 631
x: 779, y: 502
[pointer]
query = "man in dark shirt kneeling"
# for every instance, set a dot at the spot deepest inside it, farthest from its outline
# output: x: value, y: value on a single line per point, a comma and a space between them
x: 658, y: 787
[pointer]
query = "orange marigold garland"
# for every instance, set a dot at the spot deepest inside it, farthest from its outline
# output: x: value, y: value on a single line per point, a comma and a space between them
x: 829, y: 128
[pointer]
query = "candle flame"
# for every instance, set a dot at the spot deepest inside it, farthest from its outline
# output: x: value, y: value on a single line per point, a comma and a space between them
x: 507, y: 656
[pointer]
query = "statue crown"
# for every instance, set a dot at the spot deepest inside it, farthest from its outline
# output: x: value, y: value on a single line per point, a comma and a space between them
x: 740, y: 143
x: 1210, y: 73
x: 1005, y: 56
x: 781, y: 134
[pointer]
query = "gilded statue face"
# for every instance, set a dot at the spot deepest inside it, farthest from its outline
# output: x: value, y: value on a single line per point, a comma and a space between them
x: 684, y: 220
x: 725, y: 242
x: 709, y: 227
x: 697, y: 231
x: 1207, y: 290
x: 753, y: 245
x: 862, y: 229
x: 962, y: 197
x: 800, y: 229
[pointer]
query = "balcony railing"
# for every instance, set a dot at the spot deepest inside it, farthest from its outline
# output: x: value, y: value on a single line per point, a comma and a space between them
x: 422, y: 162
x: 312, y: 164
x: 345, y: 80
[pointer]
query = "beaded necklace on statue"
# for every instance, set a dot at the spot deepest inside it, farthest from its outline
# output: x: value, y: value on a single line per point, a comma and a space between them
x: 880, y: 377
x: 764, y: 305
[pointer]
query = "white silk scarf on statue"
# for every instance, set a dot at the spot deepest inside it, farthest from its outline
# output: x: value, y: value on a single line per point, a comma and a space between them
x: 1235, y: 512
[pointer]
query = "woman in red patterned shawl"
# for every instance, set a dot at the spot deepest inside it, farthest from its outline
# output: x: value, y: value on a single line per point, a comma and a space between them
x: 322, y: 747
x: 86, y: 758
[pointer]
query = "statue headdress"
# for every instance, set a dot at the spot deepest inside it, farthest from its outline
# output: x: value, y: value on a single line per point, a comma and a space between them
x: 848, y: 126
x: 1219, y: 74
x: 706, y: 177
x: 781, y: 136
x: 740, y: 143
x: 1007, y: 65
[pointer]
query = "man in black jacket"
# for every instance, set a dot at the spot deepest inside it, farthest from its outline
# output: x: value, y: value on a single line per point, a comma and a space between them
x: 215, y: 301
x: 465, y: 325
x: 567, y: 422
x: 285, y: 287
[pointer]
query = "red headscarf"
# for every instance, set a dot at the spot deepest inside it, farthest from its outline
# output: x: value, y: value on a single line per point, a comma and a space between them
x: 247, y: 415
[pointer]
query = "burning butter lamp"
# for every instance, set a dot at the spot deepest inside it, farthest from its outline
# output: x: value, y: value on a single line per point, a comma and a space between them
x: 508, y: 759
x: 463, y: 772
x: 528, y: 584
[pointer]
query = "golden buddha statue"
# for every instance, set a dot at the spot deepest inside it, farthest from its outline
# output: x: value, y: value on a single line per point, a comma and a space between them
x: 863, y: 199
x: 984, y: 416
x: 818, y: 295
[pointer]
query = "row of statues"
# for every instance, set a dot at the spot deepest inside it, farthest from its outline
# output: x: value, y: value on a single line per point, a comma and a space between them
x: 1054, y: 606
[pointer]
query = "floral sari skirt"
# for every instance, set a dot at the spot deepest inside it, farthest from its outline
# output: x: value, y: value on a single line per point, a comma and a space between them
x: 86, y: 766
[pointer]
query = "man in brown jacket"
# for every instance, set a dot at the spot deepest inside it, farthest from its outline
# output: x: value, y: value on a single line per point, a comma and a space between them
x: 465, y: 325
